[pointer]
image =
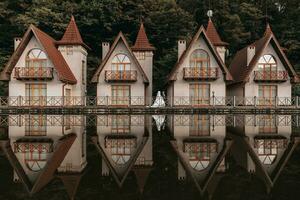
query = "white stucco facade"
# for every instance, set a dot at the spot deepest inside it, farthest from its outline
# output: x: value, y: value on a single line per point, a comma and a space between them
x: 178, y: 91
x: 139, y: 91
x: 76, y: 59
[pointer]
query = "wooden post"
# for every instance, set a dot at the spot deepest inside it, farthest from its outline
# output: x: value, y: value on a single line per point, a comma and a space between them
x: 297, y: 101
x: 255, y: 101
x: 233, y: 103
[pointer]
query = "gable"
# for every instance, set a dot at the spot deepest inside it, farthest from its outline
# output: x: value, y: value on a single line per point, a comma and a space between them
x: 32, y: 44
x: 266, y: 44
x: 269, y: 50
x: 202, y: 39
x: 121, y: 52
x: 117, y: 46
x: 64, y: 72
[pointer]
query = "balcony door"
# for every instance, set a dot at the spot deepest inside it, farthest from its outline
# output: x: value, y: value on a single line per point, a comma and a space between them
x: 267, y: 67
x: 120, y: 95
x: 120, y: 65
x: 267, y: 95
x: 36, y: 94
x: 199, y: 63
x: 199, y: 94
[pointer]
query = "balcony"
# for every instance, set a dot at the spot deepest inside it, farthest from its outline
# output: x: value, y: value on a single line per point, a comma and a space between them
x: 271, y: 76
x: 34, y: 73
x: 196, y: 73
x: 120, y: 75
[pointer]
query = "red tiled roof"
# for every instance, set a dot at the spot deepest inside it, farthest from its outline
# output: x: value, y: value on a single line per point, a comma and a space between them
x: 64, y: 72
x: 111, y: 50
x: 72, y: 35
x: 213, y: 35
x: 238, y: 67
x: 201, y: 31
x: 142, y: 42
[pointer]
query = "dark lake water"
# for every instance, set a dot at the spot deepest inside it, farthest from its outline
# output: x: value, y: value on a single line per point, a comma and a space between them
x: 178, y: 157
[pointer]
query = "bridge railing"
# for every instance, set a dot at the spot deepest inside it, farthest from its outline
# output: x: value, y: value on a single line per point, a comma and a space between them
x: 142, y: 101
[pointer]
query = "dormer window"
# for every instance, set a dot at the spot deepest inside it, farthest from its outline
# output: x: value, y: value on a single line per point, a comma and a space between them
x: 200, y: 59
x: 120, y: 62
x: 36, y: 58
x: 267, y: 63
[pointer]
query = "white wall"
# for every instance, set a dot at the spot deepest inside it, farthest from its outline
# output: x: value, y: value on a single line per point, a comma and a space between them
x: 137, y: 88
x: 284, y: 89
x: 181, y: 86
x: 74, y: 61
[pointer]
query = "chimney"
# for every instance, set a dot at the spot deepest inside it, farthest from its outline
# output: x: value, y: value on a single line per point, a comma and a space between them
x: 105, y: 49
x: 17, y: 41
x: 181, y: 47
x: 250, y: 54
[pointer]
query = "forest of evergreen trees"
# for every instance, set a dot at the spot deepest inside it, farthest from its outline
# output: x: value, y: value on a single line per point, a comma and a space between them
x: 239, y: 22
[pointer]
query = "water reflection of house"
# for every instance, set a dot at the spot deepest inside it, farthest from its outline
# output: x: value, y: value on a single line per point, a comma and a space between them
x: 264, y: 145
x: 125, y: 143
x: 37, y: 151
x: 201, y: 148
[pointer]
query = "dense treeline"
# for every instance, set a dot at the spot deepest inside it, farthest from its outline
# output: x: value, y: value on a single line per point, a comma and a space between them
x: 239, y: 22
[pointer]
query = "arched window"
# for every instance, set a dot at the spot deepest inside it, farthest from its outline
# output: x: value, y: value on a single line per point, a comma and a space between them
x: 35, y: 154
x: 200, y: 154
x: 267, y: 63
x: 120, y: 149
x: 120, y: 62
x: 199, y: 58
x: 36, y: 58
x: 267, y: 151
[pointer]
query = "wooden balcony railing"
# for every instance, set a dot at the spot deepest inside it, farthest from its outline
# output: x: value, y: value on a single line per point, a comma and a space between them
x: 272, y: 76
x: 196, y: 73
x: 36, y: 73
x: 120, y: 75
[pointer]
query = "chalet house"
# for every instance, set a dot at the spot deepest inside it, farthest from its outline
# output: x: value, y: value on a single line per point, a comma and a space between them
x: 40, y: 151
x: 264, y: 145
x: 125, y: 144
x: 262, y: 73
x: 200, y: 72
x: 46, y: 72
x: 201, y: 145
x: 124, y: 76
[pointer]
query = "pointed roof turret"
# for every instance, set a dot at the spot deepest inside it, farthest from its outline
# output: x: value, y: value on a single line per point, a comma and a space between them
x: 72, y: 35
x: 268, y: 30
x: 142, y: 173
x: 142, y: 42
x: 213, y: 34
x: 71, y: 182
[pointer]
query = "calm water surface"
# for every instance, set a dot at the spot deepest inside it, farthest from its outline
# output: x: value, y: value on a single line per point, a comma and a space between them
x: 150, y: 157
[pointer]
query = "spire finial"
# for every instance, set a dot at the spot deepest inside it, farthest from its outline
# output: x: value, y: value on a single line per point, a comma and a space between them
x: 210, y: 13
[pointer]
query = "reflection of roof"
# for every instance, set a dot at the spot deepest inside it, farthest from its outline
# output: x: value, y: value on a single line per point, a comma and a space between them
x: 202, y: 183
x: 46, y: 175
x: 141, y: 174
x: 71, y: 182
x: 120, y: 176
x: 270, y: 178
